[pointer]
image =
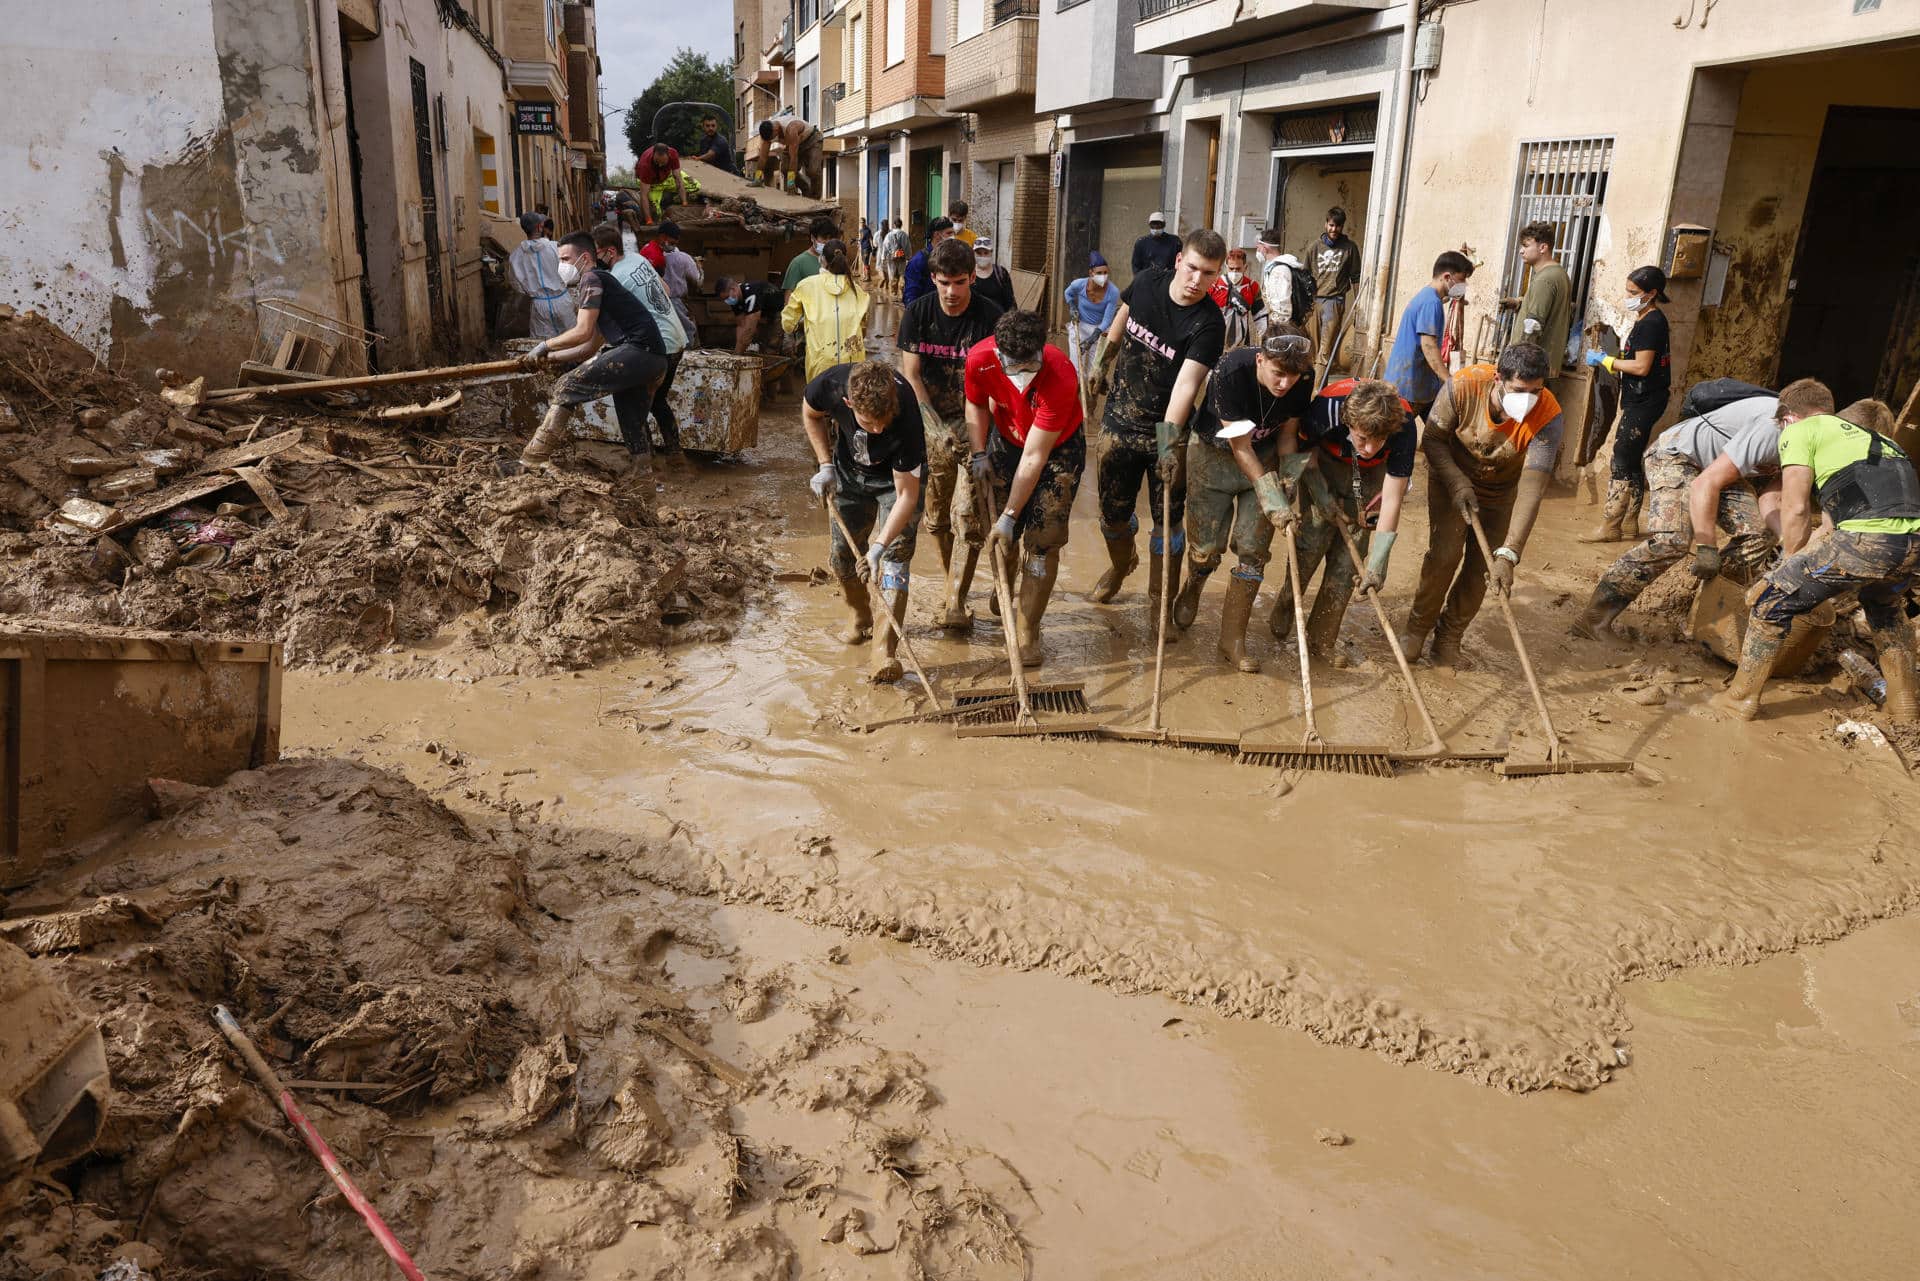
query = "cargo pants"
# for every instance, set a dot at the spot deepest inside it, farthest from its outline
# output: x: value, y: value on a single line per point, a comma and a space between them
x: 1670, y: 525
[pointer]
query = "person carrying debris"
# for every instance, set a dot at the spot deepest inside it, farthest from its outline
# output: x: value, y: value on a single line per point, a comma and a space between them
x: 1243, y: 450
x: 1364, y: 438
x: 1546, y: 313
x: 834, y: 310
x: 1490, y: 443
x: 936, y: 333
x: 1027, y: 393
x: 1702, y: 473
x: 1165, y: 339
x: 638, y: 276
x: 660, y: 173
x: 751, y: 302
x: 681, y: 271
x: 1868, y: 488
x: 627, y: 367
x: 863, y: 423
x: 1092, y: 303
x: 534, y: 268
x: 801, y: 153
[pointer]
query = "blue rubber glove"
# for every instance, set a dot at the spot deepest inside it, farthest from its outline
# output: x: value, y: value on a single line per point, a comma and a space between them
x: 1379, y: 549
x: 1595, y: 358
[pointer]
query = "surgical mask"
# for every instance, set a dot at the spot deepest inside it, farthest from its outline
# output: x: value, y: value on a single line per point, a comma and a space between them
x: 569, y: 274
x: 983, y: 267
x: 959, y: 225
x: 1518, y: 404
x: 1236, y: 277
x: 1632, y: 303
x: 1158, y: 231
x: 1456, y: 290
x: 1100, y: 278
x: 819, y: 249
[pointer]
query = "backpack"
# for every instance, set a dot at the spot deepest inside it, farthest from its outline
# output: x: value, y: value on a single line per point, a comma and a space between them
x: 1717, y: 393
x: 1302, y: 296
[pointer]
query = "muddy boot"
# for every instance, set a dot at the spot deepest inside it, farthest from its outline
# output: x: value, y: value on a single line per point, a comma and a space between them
x: 1619, y: 498
x: 1323, y: 637
x: 1636, y: 499
x: 552, y: 434
x: 955, y: 616
x: 1035, y: 591
x: 1187, y: 603
x: 1280, y: 619
x: 883, y: 666
x: 1446, y: 651
x: 1122, y: 560
x: 1896, y: 668
x: 860, y: 626
x: 1741, y: 697
x: 1234, y: 613
x: 1413, y: 641
x: 1596, y: 620
x: 944, y: 541
x: 1159, y: 568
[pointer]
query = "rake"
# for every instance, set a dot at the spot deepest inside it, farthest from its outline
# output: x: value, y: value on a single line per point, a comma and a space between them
x: 1556, y: 762
x: 1312, y: 752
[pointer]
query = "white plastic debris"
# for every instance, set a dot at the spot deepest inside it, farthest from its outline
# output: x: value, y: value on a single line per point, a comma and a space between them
x: 1855, y: 732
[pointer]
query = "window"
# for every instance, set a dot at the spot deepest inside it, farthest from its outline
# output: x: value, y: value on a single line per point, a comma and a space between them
x: 856, y: 54
x: 969, y: 19
x: 739, y: 42
x: 896, y: 31
x: 937, y: 23
x: 1563, y: 183
x: 809, y: 13
x: 808, y: 85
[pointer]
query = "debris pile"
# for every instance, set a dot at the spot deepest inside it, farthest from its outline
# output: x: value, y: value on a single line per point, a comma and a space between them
x: 340, y: 531
x: 511, y: 1072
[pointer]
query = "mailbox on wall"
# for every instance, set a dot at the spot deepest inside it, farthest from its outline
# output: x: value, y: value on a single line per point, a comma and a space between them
x: 1687, y: 249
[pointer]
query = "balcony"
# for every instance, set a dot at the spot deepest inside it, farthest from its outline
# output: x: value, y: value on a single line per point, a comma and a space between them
x: 999, y: 63
x: 1199, y: 26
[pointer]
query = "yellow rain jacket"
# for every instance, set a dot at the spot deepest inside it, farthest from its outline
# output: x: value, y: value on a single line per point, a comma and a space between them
x: 834, y: 311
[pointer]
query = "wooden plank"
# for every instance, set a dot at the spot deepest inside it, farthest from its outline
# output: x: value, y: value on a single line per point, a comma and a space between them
x: 449, y: 373
x: 253, y: 372
x: 264, y: 490
x: 206, y: 482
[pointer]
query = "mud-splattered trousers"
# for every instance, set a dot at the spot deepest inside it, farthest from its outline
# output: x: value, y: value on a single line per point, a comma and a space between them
x: 1881, y: 567
x: 865, y: 505
x: 951, y: 501
x: 1321, y: 545
x: 628, y: 373
x: 1042, y: 524
x: 1670, y: 527
x: 1222, y: 511
x: 1637, y: 420
x: 1125, y: 460
x: 1453, y: 574
x: 663, y: 409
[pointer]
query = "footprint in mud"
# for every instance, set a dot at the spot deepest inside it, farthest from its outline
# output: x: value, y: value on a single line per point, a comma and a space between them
x: 1146, y: 1164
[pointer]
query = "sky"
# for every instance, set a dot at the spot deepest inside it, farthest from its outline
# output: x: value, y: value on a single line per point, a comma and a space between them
x: 637, y: 38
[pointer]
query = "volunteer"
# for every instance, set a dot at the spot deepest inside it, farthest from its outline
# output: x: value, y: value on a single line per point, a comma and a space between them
x: 834, y: 310
x: 1646, y: 380
x: 1092, y: 301
x: 534, y: 268
x: 992, y: 282
x: 1238, y: 297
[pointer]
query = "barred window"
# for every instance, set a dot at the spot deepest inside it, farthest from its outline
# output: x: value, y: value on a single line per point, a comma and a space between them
x: 1561, y: 182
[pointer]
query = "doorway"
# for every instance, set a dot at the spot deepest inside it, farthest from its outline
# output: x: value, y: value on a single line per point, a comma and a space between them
x: 1854, y: 295
x: 1003, y: 187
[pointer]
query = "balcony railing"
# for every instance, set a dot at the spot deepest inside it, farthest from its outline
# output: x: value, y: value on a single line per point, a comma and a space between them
x: 1008, y: 10
x: 1154, y: 8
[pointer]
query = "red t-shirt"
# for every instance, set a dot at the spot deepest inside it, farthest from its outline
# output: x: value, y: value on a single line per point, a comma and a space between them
x: 1219, y: 291
x: 1051, y: 401
x: 648, y: 174
x: 654, y: 254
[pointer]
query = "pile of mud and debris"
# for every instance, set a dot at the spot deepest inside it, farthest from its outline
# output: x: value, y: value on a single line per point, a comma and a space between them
x: 534, y: 1064
x: 339, y: 531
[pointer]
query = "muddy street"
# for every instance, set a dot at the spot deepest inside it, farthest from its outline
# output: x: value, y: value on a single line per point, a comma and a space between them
x: 1561, y: 1024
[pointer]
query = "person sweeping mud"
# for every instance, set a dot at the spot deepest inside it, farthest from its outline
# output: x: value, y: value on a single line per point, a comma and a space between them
x: 1363, y: 439
x: 1243, y: 453
x: 1027, y: 392
x: 1719, y: 469
x: 628, y: 367
x: 936, y: 333
x: 863, y: 422
x: 1490, y: 443
x: 1165, y: 339
x: 1869, y: 489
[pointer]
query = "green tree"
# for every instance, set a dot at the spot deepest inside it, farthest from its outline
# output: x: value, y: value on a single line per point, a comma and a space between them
x: 689, y: 77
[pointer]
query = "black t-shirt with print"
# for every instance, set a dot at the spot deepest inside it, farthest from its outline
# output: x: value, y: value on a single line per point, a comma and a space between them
x: 1160, y: 338
x: 623, y: 318
x: 1235, y: 395
x: 942, y: 343
x: 857, y: 452
x: 1649, y: 333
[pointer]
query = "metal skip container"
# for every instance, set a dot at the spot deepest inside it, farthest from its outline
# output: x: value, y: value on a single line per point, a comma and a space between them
x: 715, y: 397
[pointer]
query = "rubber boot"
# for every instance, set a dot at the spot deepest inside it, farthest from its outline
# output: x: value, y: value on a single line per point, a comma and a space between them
x: 1896, y: 668
x: 1187, y: 604
x: 1161, y: 568
x: 860, y: 626
x: 1636, y: 499
x: 1619, y: 497
x: 1323, y: 637
x: 1741, y: 697
x: 1446, y: 650
x: 955, y: 616
x: 1035, y: 591
x: 944, y: 541
x: 1413, y: 641
x: 1234, y: 613
x: 1122, y: 560
x: 883, y: 666
x: 1596, y: 620
x: 551, y: 434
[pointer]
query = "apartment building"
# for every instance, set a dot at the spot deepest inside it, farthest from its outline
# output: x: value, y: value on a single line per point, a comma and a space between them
x: 559, y: 146
x: 991, y: 72
x: 900, y: 147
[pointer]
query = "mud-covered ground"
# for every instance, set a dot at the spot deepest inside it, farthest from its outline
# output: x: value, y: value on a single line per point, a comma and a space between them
x: 1150, y: 1012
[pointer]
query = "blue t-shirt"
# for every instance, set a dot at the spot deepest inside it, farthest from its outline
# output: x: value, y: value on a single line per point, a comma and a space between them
x: 1408, y: 369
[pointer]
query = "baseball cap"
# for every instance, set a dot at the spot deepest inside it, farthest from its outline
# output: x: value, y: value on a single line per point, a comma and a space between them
x: 1156, y: 216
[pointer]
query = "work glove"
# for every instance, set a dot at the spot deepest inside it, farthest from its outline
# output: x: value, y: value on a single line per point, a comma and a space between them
x: 1104, y: 354
x: 1500, y: 574
x: 1595, y: 359
x: 1166, y: 439
x: 869, y: 569
x: 1379, y: 550
x: 535, y: 358
x: 822, y: 483
x: 978, y: 466
x: 1466, y: 501
x: 1003, y: 534
x: 1706, y: 562
x: 1272, y: 497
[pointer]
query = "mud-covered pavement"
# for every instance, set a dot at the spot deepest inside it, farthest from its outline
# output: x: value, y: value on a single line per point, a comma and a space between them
x: 1165, y: 946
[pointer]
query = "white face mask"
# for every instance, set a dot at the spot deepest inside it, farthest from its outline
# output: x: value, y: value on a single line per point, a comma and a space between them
x: 1633, y: 302
x: 1456, y: 290
x: 959, y: 225
x: 569, y: 274
x: 1100, y: 278
x: 1235, y: 277
x: 1518, y: 404
x: 983, y: 267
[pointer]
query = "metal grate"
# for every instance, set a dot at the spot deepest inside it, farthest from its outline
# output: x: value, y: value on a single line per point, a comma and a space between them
x: 1562, y: 182
x: 1326, y: 126
x: 1154, y: 8
x: 1008, y: 10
